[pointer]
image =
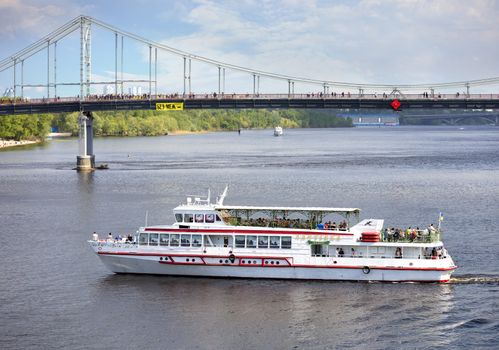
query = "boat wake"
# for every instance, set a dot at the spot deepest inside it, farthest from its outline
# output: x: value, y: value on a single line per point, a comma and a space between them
x: 475, y: 279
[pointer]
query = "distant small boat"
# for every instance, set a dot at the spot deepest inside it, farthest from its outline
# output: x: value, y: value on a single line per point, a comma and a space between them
x: 277, y: 131
x: 58, y: 134
x: 104, y: 166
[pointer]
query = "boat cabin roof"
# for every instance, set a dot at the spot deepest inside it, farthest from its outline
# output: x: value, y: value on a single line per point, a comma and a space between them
x: 195, y: 203
x: 289, y: 209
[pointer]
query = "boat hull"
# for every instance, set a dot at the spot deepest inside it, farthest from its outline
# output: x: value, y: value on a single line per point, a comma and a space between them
x: 139, y: 264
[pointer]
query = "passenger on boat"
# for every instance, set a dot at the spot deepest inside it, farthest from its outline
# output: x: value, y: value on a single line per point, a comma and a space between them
x: 431, y: 229
x: 398, y: 253
x: 434, y: 254
x: 396, y: 235
x: 385, y: 234
x: 391, y: 232
x: 334, y: 226
x: 353, y: 252
x: 343, y: 226
x: 341, y: 253
x: 110, y: 237
x: 337, y: 252
x: 407, y: 232
x: 129, y: 238
x: 413, y: 235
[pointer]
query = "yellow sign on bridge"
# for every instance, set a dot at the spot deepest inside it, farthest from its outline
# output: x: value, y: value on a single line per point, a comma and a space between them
x: 170, y: 106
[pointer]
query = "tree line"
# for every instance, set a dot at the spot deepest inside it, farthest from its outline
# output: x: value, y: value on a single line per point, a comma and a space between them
x: 153, y: 123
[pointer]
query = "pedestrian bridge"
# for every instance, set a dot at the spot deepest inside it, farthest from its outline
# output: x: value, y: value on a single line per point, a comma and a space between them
x: 240, y: 101
x: 57, y: 91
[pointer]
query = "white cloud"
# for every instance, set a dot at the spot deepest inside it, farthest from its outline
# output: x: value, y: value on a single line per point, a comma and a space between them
x: 368, y: 41
x: 32, y: 17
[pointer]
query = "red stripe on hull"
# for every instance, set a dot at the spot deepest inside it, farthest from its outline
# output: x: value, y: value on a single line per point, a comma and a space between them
x: 301, y: 265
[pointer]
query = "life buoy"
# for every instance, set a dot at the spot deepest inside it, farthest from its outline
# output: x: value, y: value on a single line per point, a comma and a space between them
x: 366, y: 269
x: 232, y: 258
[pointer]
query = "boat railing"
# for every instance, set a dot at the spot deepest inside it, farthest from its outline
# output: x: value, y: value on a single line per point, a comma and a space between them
x: 116, y: 241
x: 421, y: 236
x: 359, y: 255
x: 284, y: 223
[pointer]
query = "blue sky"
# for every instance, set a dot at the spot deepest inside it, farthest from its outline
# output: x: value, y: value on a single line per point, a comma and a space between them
x: 370, y: 41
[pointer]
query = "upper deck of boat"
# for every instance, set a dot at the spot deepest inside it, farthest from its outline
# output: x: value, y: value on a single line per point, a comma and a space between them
x: 200, y: 213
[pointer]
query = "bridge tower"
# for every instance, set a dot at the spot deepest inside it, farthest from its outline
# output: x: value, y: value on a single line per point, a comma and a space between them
x: 85, y: 161
x: 85, y: 57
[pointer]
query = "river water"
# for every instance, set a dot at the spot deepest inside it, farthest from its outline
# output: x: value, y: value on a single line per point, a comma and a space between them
x: 55, y: 293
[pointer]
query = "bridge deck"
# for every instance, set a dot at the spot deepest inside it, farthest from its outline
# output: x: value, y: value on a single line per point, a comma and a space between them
x: 24, y: 106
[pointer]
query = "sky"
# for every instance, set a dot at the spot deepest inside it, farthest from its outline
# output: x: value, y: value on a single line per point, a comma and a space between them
x: 365, y: 41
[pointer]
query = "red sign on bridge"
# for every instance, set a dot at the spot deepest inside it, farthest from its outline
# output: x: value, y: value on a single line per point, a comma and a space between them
x: 395, y: 104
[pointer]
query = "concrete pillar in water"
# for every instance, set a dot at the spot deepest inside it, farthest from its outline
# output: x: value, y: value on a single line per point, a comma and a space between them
x: 85, y: 161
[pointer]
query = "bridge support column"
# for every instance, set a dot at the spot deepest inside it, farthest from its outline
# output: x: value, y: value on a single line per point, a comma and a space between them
x: 85, y: 161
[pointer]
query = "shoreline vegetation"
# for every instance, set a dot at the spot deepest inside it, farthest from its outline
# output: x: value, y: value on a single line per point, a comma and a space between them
x: 35, y: 128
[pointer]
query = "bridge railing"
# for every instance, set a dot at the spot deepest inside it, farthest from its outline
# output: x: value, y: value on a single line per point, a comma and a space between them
x: 212, y: 96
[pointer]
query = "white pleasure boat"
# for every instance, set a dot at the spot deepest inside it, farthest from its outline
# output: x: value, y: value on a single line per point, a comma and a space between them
x: 213, y: 239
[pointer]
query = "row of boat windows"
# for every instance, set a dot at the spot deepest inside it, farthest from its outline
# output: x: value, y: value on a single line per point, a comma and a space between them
x: 186, y: 240
x: 283, y: 242
x: 199, y: 218
x: 172, y: 240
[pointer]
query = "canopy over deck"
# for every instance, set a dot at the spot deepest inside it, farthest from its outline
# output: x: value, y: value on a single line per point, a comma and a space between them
x: 318, y: 212
x: 289, y: 209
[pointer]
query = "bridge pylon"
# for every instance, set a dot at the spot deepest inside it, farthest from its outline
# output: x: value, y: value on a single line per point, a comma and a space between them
x: 85, y: 160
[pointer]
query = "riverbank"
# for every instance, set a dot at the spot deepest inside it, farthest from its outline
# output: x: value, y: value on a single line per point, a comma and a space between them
x: 156, y: 123
x: 13, y: 143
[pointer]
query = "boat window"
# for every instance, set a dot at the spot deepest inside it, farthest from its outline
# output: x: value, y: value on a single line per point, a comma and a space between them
x: 263, y: 242
x: 178, y: 217
x: 208, y: 242
x: 185, y: 240
x: 209, y: 218
x: 153, y: 239
x: 199, y: 217
x: 187, y: 217
x: 164, y: 239
x: 143, y: 238
x: 196, y: 240
x: 218, y: 218
x: 174, y: 240
x: 274, y: 241
x: 286, y: 242
x: 250, y: 241
x: 240, y: 241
